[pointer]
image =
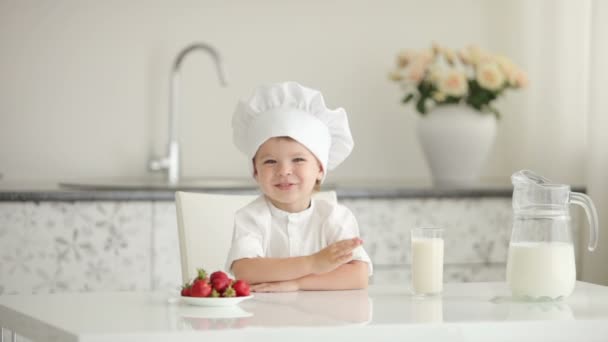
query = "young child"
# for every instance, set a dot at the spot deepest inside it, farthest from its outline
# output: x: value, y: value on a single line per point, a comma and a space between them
x: 286, y: 240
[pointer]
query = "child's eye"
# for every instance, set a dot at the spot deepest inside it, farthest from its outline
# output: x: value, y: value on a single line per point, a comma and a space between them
x: 269, y: 162
x: 299, y: 160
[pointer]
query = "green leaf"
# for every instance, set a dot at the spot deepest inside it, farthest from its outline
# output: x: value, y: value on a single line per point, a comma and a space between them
x: 451, y: 100
x: 493, y: 111
x: 408, y: 98
x: 426, y: 89
x: 420, y: 105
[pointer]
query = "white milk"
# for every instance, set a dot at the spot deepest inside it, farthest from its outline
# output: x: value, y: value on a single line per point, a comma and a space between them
x: 427, y: 265
x: 541, y: 269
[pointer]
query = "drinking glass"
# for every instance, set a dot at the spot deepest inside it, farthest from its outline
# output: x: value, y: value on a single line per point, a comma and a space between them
x: 427, y: 260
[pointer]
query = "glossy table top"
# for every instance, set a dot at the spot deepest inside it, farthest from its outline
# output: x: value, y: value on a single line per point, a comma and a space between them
x: 465, y: 312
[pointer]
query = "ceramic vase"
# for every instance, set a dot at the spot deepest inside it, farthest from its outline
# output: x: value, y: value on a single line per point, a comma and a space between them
x: 456, y: 140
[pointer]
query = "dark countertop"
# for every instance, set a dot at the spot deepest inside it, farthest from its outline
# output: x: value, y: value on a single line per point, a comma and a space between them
x: 141, y: 191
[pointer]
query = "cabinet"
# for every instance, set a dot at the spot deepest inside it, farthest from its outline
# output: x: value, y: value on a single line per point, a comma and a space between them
x: 59, y: 246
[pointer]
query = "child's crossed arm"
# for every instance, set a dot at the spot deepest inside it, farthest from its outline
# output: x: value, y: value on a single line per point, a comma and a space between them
x: 329, y: 269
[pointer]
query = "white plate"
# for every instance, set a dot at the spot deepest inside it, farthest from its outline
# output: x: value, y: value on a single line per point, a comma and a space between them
x: 191, y: 311
x: 219, y: 301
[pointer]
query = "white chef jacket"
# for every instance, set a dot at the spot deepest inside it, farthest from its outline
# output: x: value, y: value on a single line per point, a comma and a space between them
x: 263, y: 230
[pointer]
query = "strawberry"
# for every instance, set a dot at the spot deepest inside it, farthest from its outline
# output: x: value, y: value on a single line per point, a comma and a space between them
x: 201, y: 274
x: 216, y: 275
x: 229, y: 292
x: 214, y: 293
x: 220, y: 284
x: 241, y: 288
x: 186, y: 290
x: 200, y: 288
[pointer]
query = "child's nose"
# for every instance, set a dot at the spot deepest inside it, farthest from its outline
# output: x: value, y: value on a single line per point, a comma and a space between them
x: 285, y: 169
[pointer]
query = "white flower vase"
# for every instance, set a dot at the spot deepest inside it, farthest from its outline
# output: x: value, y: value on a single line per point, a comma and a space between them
x: 456, y: 140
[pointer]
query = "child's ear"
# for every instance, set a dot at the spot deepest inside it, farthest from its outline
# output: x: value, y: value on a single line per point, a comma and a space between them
x: 255, y: 170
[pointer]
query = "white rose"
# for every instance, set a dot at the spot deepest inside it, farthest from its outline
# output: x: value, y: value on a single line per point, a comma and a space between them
x: 521, y: 79
x: 508, y: 68
x: 425, y: 57
x: 435, y: 73
x: 504, y: 63
x: 415, y: 73
x: 490, y: 76
x: 395, y: 75
x: 449, y: 55
x: 453, y: 83
x: 439, y: 96
x: 475, y: 53
x: 464, y: 56
x: 436, y: 48
x: 405, y: 57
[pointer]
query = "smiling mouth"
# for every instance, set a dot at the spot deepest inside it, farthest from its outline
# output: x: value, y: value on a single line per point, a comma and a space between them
x: 284, y: 186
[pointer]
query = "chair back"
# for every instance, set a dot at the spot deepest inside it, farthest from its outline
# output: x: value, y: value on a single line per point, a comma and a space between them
x: 205, y: 225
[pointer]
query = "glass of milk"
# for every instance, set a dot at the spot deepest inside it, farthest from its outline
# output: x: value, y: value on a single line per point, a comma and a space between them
x: 427, y: 261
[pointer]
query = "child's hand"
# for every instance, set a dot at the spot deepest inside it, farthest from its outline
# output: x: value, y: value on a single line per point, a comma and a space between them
x: 334, y: 255
x: 276, y: 286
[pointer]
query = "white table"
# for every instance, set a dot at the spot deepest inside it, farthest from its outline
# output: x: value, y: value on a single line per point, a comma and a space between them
x: 465, y: 312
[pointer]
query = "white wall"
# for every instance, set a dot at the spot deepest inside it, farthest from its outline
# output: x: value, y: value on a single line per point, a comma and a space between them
x: 594, y: 263
x: 84, y: 84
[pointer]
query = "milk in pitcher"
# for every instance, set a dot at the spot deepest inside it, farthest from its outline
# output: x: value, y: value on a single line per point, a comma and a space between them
x: 541, y: 251
x: 541, y: 269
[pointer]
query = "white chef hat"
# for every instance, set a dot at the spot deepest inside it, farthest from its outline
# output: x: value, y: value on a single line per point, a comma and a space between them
x: 289, y: 109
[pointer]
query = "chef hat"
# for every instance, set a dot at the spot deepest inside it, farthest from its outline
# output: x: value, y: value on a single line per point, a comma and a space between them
x: 289, y: 109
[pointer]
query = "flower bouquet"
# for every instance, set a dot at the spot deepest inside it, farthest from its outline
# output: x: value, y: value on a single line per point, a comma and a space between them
x: 441, y: 76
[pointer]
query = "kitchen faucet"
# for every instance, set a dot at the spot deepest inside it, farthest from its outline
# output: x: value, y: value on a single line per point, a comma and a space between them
x: 171, y: 162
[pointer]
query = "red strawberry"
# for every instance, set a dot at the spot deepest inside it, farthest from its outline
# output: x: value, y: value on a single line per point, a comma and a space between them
x: 220, y: 284
x: 241, y: 287
x: 186, y: 290
x: 200, y: 288
x: 216, y: 275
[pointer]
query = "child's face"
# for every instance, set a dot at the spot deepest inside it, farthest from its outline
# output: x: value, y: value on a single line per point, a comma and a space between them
x: 286, y: 172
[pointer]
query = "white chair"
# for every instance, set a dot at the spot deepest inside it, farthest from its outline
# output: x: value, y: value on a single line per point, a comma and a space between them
x: 205, y: 224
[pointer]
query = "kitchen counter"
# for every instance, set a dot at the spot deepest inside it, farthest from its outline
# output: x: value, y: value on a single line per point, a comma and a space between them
x: 142, y: 191
x: 465, y: 312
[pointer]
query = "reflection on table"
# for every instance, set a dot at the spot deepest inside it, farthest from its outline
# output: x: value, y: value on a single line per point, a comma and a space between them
x: 474, y: 309
x: 282, y: 309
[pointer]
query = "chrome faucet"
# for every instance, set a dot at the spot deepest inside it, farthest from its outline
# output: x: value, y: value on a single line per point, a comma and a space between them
x: 171, y: 162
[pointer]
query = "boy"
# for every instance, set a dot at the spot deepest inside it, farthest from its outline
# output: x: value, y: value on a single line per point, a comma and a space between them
x: 285, y: 240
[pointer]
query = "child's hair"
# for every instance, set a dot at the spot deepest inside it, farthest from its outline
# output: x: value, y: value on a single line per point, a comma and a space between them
x: 317, y: 186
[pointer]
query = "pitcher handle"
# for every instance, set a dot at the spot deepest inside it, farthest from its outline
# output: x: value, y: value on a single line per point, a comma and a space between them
x: 585, y: 202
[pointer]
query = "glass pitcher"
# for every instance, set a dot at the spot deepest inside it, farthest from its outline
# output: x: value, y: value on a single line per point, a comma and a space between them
x: 541, y: 261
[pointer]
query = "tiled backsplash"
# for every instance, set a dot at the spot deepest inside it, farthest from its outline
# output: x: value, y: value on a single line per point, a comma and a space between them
x: 92, y: 246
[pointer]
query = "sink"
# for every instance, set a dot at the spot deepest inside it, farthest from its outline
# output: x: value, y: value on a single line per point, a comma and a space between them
x: 155, y: 183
